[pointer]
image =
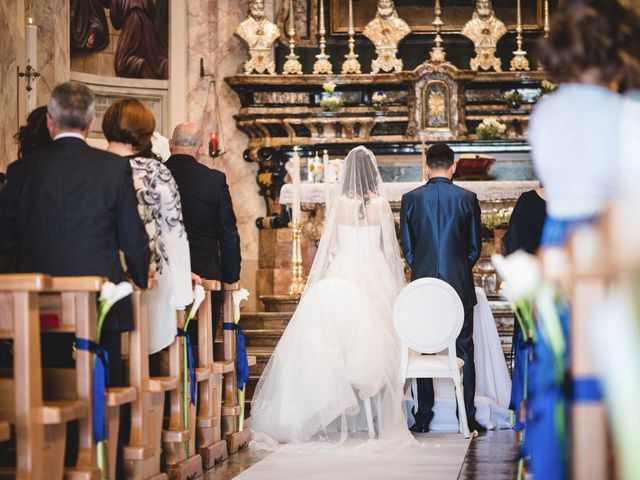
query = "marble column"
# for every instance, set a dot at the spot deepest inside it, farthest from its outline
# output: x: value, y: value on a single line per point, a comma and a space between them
x: 11, y: 44
x: 52, y: 18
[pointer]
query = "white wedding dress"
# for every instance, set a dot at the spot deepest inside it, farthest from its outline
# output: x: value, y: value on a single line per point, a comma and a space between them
x: 340, y: 351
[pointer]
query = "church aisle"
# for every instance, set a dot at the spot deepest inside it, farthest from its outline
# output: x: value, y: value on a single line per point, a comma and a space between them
x: 489, y: 456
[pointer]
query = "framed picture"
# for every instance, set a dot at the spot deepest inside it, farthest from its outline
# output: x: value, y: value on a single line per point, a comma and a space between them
x: 419, y: 14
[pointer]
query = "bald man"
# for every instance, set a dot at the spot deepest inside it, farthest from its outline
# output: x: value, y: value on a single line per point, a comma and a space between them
x: 207, y: 210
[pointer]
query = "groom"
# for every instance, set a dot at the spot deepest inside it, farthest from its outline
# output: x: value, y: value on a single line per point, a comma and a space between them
x: 441, y: 237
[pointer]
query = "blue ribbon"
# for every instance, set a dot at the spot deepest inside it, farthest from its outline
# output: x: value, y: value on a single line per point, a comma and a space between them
x: 556, y: 230
x: 100, y: 385
x: 242, y: 362
x: 190, y: 365
x: 587, y: 390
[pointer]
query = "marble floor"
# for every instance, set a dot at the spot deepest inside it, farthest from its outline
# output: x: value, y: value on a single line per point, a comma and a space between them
x: 489, y: 456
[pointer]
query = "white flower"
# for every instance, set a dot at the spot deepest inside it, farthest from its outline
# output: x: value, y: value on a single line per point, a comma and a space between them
x: 379, y: 97
x: 237, y: 297
x: 329, y: 87
x: 111, y: 293
x: 521, y: 272
x: 198, y: 298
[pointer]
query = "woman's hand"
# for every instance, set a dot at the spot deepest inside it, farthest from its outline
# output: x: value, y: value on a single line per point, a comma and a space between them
x: 196, y: 279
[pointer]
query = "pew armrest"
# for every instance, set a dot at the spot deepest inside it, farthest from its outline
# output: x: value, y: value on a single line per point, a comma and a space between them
x: 211, y: 285
x: 229, y: 287
x: 176, y: 436
x: 202, y: 374
x: 163, y: 384
x: 5, y: 432
x: 117, y: 396
x: 230, y: 410
x: 138, y: 453
x: 252, y: 360
x: 24, y: 282
x: 77, y: 284
x: 55, y: 413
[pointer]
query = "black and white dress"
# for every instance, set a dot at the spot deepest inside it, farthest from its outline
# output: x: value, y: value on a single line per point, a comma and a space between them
x: 161, y: 211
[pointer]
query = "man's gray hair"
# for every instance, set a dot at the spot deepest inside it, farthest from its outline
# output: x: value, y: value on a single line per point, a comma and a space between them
x: 71, y: 106
x: 187, y: 134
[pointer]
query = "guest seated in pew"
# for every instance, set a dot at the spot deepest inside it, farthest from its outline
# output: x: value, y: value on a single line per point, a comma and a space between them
x: 128, y: 125
x: 69, y: 209
x: 34, y: 136
x: 208, y: 212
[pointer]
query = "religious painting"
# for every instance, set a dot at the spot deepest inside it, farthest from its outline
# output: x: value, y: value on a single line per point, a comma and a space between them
x: 419, y: 14
x: 436, y: 111
x: 139, y: 29
x: 305, y: 17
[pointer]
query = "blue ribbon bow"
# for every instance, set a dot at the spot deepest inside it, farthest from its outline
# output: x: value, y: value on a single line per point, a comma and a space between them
x: 586, y: 390
x: 242, y: 362
x: 190, y: 365
x: 100, y: 385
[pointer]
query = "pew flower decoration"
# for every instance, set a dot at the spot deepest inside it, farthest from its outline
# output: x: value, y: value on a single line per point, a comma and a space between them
x: 110, y: 294
x: 490, y: 129
x: 242, y: 367
x: 330, y: 102
x: 188, y: 364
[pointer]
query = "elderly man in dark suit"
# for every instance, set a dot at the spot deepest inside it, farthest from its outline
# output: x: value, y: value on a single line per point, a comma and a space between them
x: 441, y: 238
x: 207, y: 210
x: 69, y: 209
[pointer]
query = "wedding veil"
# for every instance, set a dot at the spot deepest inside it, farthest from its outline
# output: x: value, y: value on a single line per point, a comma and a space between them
x: 358, y: 201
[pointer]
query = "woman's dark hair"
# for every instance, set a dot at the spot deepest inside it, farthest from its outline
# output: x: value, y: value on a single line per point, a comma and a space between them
x: 34, y: 136
x: 600, y: 36
x: 129, y: 121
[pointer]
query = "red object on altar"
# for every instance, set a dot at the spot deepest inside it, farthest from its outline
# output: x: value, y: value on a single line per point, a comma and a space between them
x: 474, y: 166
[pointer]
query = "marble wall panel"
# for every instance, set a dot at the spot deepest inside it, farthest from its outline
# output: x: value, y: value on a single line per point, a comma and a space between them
x: 11, y: 39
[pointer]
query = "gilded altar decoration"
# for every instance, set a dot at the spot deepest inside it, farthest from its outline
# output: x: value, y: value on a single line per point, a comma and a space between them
x: 437, y: 54
x: 323, y: 64
x: 519, y: 60
x: 386, y: 31
x: 351, y: 65
x: 292, y: 66
x: 484, y: 30
x: 437, y: 106
x: 258, y: 33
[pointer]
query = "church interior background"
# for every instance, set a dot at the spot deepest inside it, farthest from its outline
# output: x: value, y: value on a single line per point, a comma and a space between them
x: 437, y: 76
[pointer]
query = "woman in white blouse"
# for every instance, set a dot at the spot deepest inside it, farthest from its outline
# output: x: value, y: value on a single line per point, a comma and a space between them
x: 128, y: 126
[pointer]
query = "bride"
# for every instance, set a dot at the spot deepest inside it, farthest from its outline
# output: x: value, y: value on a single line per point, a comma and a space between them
x: 336, y: 367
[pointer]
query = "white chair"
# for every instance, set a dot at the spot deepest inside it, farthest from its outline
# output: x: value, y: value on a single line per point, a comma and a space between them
x: 428, y: 316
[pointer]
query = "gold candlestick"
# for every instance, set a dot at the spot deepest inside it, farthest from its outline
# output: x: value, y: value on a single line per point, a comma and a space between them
x: 322, y: 65
x: 423, y: 160
x: 297, y: 278
x: 546, y: 19
x: 519, y: 60
x: 351, y: 65
x: 437, y: 53
x: 292, y: 66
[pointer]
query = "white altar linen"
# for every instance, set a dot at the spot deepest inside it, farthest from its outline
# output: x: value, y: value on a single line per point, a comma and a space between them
x: 487, y: 191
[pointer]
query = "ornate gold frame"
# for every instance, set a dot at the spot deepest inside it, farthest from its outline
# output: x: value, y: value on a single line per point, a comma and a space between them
x: 423, y: 103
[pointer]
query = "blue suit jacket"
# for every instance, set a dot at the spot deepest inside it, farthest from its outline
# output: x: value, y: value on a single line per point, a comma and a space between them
x: 441, y: 234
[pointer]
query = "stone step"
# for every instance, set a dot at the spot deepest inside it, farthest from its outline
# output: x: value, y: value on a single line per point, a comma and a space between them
x: 279, y: 303
x: 263, y: 337
x: 262, y: 320
x: 262, y: 354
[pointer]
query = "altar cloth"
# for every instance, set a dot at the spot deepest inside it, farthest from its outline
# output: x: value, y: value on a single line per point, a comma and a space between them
x: 487, y: 191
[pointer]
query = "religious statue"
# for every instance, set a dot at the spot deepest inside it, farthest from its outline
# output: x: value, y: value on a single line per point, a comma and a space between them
x: 385, y: 31
x: 140, y: 52
x: 89, y: 28
x: 484, y: 30
x: 258, y: 33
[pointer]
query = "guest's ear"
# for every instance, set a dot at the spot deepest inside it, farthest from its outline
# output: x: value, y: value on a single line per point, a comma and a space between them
x: 90, y: 127
x: 50, y: 125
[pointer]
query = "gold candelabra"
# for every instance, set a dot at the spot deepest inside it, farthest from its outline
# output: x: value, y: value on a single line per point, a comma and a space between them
x: 292, y: 66
x: 437, y: 53
x: 351, y: 65
x: 297, y: 278
x: 322, y: 65
x: 519, y: 60
x: 423, y: 160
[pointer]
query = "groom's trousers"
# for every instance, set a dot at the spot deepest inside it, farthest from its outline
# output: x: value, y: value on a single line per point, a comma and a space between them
x: 464, y: 350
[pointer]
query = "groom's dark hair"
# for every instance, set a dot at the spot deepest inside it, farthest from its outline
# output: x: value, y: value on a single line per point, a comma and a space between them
x: 439, y: 156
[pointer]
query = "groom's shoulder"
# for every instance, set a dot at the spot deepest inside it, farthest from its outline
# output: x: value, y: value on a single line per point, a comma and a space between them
x: 416, y: 192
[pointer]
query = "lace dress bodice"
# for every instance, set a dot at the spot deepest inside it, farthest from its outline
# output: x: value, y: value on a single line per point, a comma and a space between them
x: 359, y: 239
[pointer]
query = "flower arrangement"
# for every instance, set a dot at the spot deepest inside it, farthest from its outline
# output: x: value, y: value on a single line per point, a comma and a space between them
x: 490, y: 129
x: 513, y: 98
x: 330, y: 102
x: 379, y: 99
x: 497, y: 219
x: 547, y: 86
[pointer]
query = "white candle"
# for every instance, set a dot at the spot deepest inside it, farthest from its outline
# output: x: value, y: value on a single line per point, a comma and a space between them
x: 351, y: 29
x: 296, y: 186
x: 31, y: 36
x: 325, y: 169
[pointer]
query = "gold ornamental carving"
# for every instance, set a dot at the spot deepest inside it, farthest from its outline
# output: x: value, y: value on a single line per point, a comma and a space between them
x: 484, y: 30
x: 386, y: 31
x: 351, y: 65
x: 259, y: 34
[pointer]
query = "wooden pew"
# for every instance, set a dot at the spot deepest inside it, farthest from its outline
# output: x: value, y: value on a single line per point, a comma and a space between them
x: 235, y: 439
x: 142, y: 456
x: 211, y: 446
x: 21, y: 402
x: 5, y: 431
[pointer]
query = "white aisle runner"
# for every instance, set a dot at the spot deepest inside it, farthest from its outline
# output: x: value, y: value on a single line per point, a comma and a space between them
x: 440, y: 457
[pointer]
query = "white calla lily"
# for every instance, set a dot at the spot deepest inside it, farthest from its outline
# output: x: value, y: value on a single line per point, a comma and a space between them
x: 111, y: 294
x: 198, y: 298
x: 521, y: 272
x: 237, y: 297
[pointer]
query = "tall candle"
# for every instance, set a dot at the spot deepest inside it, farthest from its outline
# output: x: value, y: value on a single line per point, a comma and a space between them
x: 325, y: 169
x: 351, y: 30
x: 296, y: 186
x: 423, y: 161
x: 31, y: 36
x: 292, y: 28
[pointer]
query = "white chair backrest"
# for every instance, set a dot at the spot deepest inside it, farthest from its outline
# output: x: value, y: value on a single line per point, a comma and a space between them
x: 428, y: 315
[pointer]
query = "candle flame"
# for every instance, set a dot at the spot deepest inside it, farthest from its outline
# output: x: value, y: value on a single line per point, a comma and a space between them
x: 30, y: 21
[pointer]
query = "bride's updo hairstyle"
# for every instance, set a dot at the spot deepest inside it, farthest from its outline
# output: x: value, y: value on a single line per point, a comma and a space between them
x: 593, y: 41
x: 360, y: 175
